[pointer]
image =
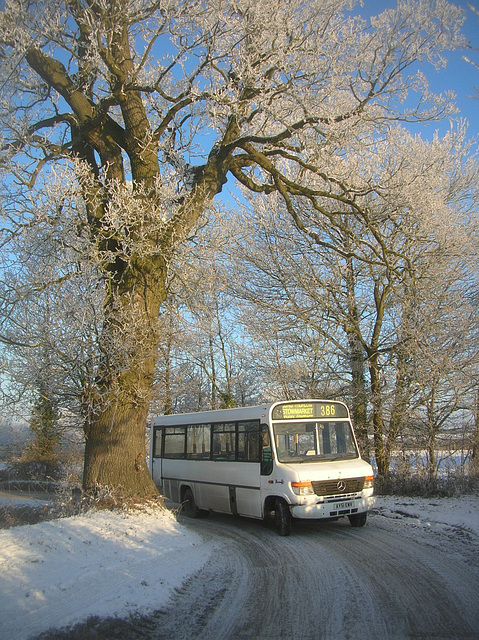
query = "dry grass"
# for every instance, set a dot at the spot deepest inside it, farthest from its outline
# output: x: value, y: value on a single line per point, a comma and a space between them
x: 421, y: 485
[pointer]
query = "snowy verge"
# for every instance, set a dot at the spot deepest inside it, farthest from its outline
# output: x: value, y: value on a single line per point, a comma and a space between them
x: 462, y: 512
x: 60, y: 572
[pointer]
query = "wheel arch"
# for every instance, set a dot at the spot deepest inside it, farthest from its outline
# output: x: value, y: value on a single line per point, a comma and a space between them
x: 270, y: 502
x: 183, y: 489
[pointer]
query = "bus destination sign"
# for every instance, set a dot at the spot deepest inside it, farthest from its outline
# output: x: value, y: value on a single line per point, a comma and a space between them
x: 295, y: 411
x: 305, y: 410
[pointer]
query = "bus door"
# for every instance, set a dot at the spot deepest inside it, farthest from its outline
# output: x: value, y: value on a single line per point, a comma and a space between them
x: 266, y: 467
x: 157, y: 457
x: 245, y: 482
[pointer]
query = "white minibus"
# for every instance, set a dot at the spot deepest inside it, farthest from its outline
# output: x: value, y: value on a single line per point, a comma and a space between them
x: 295, y: 459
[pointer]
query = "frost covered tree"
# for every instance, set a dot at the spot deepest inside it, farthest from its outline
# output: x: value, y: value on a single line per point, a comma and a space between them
x: 207, y: 359
x: 48, y: 319
x: 386, y: 284
x: 148, y: 107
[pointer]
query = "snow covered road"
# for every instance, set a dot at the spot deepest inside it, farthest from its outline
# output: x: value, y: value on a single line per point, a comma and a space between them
x: 412, y: 572
x: 393, y: 579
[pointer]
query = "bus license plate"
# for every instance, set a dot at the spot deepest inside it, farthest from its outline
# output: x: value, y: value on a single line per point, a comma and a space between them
x: 345, y: 505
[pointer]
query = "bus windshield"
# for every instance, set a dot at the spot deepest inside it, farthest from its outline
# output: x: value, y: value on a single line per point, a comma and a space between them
x: 314, y: 440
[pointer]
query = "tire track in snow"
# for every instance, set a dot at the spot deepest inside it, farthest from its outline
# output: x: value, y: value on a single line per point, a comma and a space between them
x: 325, y: 582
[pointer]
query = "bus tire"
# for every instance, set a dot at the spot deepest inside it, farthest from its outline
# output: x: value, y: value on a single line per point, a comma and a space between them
x: 283, y: 518
x: 358, y: 519
x: 188, y: 505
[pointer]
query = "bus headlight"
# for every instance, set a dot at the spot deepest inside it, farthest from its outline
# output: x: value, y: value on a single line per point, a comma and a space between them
x: 302, y: 488
x: 368, y: 482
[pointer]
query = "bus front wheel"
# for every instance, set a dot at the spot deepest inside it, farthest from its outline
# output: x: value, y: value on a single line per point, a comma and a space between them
x: 283, y: 518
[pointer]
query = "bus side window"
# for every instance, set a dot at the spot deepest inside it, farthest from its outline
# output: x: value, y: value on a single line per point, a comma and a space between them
x: 158, y: 449
x: 175, y: 440
x: 266, y: 451
x: 224, y: 441
x: 248, y: 441
x: 198, y: 440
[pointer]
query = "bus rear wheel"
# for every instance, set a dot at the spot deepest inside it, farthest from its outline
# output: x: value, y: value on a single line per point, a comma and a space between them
x: 188, y: 505
x: 283, y: 518
x: 358, y: 519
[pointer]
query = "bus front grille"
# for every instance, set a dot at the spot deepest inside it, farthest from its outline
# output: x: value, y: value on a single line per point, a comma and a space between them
x: 338, y: 487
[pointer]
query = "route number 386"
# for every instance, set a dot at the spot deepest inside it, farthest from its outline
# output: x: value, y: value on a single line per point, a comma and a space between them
x: 328, y: 410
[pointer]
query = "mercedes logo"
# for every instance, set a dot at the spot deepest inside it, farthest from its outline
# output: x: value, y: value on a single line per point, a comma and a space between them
x: 341, y: 485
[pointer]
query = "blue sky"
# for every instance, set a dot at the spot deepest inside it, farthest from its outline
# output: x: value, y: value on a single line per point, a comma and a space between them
x: 459, y: 76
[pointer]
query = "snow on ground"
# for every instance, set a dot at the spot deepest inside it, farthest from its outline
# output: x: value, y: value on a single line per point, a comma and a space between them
x: 103, y: 563
x: 462, y: 512
x: 60, y: 572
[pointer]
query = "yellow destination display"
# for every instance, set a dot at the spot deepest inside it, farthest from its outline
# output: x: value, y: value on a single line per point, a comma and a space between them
x: 308, y: 410
x: 292, y: 411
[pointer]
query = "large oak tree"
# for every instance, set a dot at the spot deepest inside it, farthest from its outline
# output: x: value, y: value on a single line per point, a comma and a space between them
x: 153, y: 104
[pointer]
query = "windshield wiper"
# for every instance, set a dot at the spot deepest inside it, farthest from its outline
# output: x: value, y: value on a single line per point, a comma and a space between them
x: 310, y: 458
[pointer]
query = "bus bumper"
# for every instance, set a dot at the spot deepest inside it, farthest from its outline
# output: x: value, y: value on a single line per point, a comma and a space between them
x: 336, y: 509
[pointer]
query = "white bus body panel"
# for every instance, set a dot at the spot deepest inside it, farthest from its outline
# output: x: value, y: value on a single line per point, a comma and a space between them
x: 250, y: 489
x: 240, y: 493
x: 313, y: 506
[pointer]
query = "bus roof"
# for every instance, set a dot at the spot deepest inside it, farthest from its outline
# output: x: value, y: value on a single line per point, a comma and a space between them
x: 239, y: 413
x: 220, y: 415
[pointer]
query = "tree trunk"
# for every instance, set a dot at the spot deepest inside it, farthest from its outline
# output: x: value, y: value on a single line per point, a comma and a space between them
x: 359, y: 395
x: 357, y: 363
x: 398, y: 410
x: 475, y: 441
x: 431, y: 454
x: 115, y: 451
x: 116, y: 427
x: 381, y: 454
